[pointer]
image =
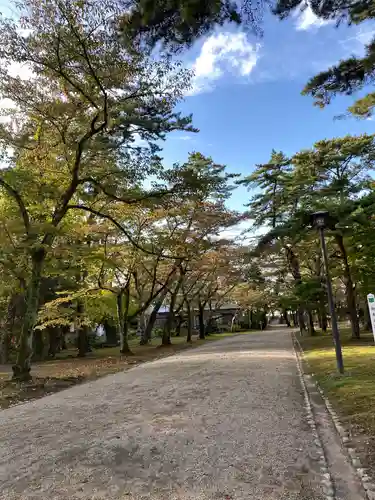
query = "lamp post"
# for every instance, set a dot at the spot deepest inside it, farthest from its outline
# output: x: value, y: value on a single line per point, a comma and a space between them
x: 320, y: 220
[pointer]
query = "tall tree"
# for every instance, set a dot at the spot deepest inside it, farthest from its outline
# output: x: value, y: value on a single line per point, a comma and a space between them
x: 338, y: 172
x: 71, y: 125
x: 273, y: 208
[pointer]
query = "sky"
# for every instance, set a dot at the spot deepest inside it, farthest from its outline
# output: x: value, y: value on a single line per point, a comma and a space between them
x: 246, y: 93
x: 246, y: 96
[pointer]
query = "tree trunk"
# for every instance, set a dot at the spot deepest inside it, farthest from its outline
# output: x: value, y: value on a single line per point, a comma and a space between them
x: 310, y: 323
x: 170, y: 319
x: 295, y: 319
x: 124, y: 345
x: 322, y: 316
x: 248, y: 319
x: 122, y: 320
x: 232, y: 321
x: 180, y: 320
x: 324, y: 319
x: 110, y: 333
x: 286, y: 319
x: 320, y: 319
x: 21, y: 370
x: 64, y: 332
x: 189, y: 322
x: 166, y: 339
x: 83, y: 341
x: 83, y: 331
x: 202, y: 328
x: 4, y: 345
x: 253, y: 325
x: 263, y: 321
x: 349, y: 289
x: 141, y: 326
x: 38, y: 344
x: 301, y: 321
x: 8, y: 326
x: 52, y: 341
x: 64, y: 347
x: 152, y: 319
x: 208, y: 326
x: 352, y: 309
x: 296, y: 273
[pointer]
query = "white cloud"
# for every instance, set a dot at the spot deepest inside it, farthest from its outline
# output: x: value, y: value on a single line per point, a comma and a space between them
x: 365, y: 36
x: 356, y: 43
x: 184, y: 138
x: 223, y: 53
x: 306, y: 19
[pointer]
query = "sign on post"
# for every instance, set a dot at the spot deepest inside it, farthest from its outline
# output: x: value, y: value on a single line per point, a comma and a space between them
x: 371, y: 308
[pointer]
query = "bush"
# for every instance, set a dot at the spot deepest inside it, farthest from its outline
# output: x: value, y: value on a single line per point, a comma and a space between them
x: 157, y: 332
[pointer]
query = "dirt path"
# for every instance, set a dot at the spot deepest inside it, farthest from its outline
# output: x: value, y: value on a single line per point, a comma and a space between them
x: 223, y: 421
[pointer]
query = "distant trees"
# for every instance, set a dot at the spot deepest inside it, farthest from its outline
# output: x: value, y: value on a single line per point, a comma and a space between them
x: 333, y: 176
x: 94, y: 229
x: 83, y: 240
x: 68, y: 142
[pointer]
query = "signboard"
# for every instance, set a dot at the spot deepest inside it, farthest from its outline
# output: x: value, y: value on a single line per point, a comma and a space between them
x: 371, y: 308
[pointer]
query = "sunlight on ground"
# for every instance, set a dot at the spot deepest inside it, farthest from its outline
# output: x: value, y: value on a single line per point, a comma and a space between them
x: 66, y: 369
x: 225, y: 355
x: 353, y: 394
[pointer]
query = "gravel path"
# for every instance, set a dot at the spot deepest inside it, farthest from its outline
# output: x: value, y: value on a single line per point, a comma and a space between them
x: 223, y: 421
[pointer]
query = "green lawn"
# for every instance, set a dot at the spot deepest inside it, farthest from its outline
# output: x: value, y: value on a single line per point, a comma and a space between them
x: 352, y: 394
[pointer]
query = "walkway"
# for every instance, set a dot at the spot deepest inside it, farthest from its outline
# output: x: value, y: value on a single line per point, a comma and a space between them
x: 223, y: 421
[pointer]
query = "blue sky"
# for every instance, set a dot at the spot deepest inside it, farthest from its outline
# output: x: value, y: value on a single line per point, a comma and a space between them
x: 246, y: 96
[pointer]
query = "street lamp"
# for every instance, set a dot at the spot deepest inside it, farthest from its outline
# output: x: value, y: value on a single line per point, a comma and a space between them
x: 320, y: 220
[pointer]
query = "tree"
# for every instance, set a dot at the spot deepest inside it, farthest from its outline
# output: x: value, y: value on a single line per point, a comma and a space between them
x: 275, y: 208
x: 253, y: 301
x: 271, y: 178
x: 339, y: 10
x: 219, y: 271
x: 332, y: 176
x: 72, y: 123
x: 349, y: 75
x: 339, y: 169
x: 178, y: 23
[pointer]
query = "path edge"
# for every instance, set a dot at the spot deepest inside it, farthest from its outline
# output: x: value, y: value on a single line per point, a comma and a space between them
x: 343, y: 434
x: 326, y: 479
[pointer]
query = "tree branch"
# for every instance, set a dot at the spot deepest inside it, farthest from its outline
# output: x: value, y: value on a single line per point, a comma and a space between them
x: 15, y: 194
x: 122, y: 229
x: 155, y: 194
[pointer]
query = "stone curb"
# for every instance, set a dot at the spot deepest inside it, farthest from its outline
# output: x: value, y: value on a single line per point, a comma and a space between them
x: 344, y: 436
x: 327, y: 483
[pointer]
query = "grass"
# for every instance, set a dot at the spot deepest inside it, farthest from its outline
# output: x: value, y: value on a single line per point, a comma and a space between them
x: 67, y: 369
x: 352, y: 394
